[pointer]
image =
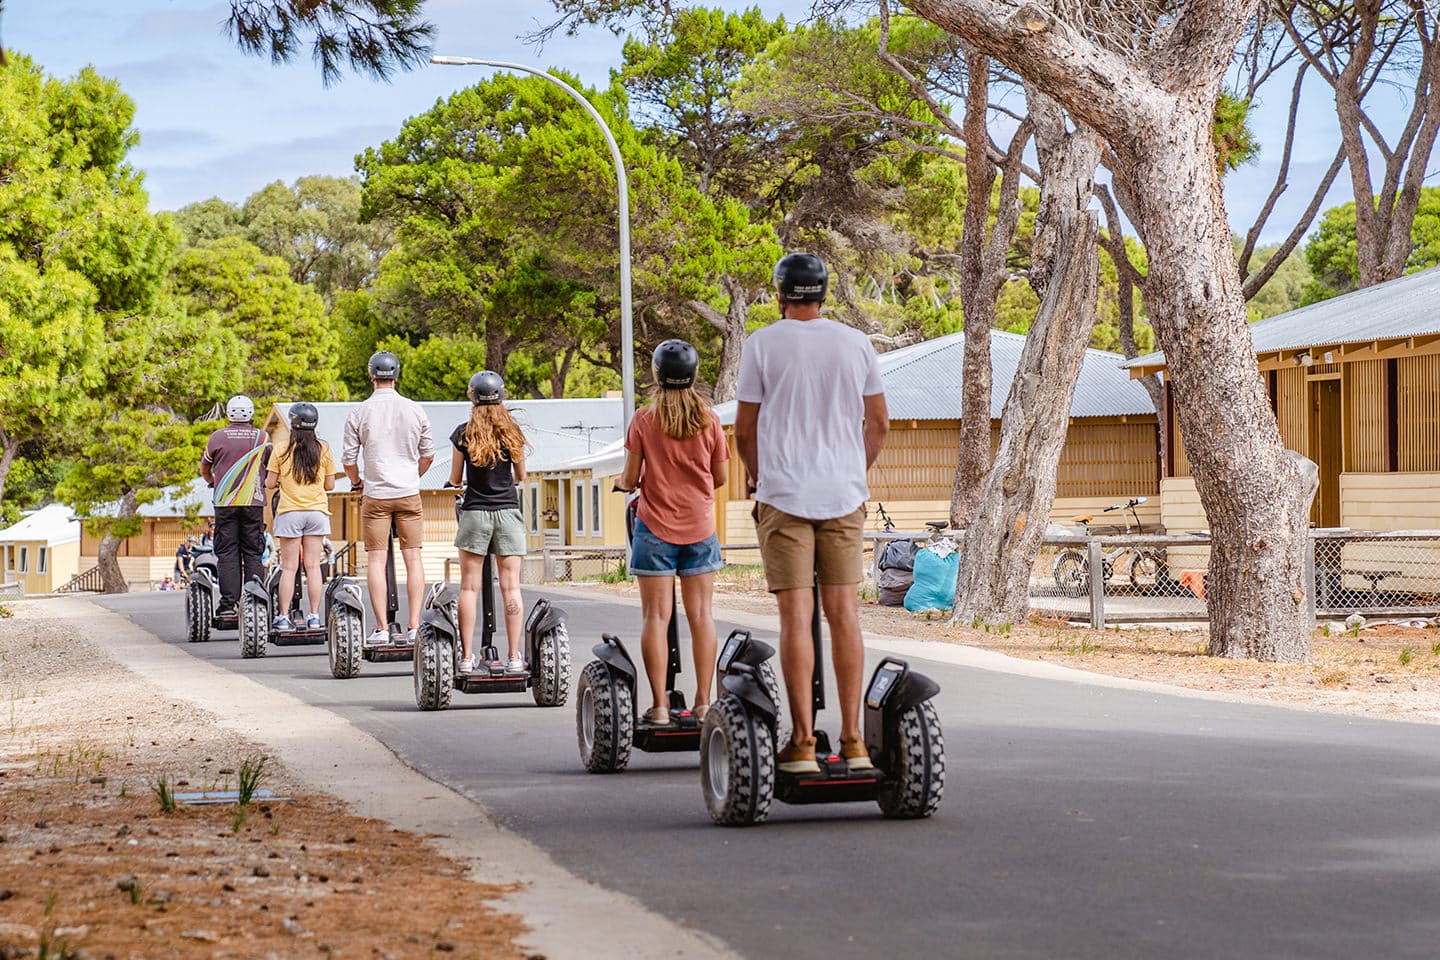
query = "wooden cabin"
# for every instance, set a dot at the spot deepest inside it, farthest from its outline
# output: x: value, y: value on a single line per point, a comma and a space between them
x: 41, y: 552
x: 1110, y: 453
x: 1355, y: 385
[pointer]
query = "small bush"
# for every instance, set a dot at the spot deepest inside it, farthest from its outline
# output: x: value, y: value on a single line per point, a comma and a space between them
x: 1406, y: 655
x: 252, y: 774
x: 164, y: 792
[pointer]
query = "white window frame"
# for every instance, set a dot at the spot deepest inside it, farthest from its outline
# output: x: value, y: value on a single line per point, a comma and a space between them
x: 534, y: 513
x: 595, y: 511
x: 42, y: 564
x: 579, y: 488
x: 23, y: 564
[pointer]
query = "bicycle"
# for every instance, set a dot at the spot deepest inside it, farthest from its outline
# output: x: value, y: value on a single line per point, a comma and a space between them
x: 1145, y: 570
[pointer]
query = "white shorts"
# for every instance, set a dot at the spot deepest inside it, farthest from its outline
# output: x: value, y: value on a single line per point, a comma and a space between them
x: 302, y: 523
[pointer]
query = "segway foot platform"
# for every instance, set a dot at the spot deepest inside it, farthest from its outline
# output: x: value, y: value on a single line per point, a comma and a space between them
x: 232, y: 622
x: 389, y: 653
x: 297, y: 637
x: 681, y: 734
x: 490, y: 677
x: 835, y: 783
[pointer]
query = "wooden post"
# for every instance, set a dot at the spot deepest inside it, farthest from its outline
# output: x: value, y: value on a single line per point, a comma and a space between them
x: 549, y: 563
x: 1097, y: 583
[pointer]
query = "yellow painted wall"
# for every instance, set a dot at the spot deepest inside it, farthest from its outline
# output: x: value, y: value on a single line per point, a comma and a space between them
x: 62, y: 561
x: 1181, y: 512
x: 1390, y: 501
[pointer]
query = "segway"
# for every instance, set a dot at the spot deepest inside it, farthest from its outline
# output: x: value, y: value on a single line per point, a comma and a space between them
x: 438, y: 650
x: 738, y: 767
x: 258, y: 600
x: 345, y: 622
x: 202, y: 599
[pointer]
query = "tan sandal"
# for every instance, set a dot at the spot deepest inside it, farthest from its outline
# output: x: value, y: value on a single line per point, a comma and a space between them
x: 656, y: 716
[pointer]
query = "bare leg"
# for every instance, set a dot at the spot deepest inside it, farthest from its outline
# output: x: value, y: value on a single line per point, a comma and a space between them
x: 313, y: 546
x: 289, y: 563
x: 797, y: 657
x: 513, y: 601
x: 375, y: 580
x: 847, y: 647
x: 697, y: 591
x: 657, y: 596
x: 472, y: 575
x: 414, y: 583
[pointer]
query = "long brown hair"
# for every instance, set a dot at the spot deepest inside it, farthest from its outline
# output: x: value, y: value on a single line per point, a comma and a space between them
x: 681, y: 413
x: 303, y: 453
x: 492, y: 435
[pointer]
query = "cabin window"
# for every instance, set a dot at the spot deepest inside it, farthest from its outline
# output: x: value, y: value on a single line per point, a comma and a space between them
x: 534, y: 508
x: 595, y: 507
x: 42, y: 561
x: 24, y: 565
x: 580, y: 508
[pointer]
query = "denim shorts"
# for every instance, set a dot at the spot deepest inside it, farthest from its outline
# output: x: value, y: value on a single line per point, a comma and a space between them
x: 302, y: 523
x: 652, y: 557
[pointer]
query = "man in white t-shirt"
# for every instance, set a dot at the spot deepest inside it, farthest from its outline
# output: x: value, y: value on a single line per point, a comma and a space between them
x: 810, y: 420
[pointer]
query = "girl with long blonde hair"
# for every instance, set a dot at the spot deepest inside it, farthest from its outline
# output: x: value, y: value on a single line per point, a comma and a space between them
x: 676, y: 456
x: 490, y: 458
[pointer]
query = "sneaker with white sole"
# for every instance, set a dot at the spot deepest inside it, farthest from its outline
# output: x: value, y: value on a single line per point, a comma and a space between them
x: 516, y: 666
x: 313, y: 622
x: 378, y: 639
x: 467, y: 665
x: 281, y: 624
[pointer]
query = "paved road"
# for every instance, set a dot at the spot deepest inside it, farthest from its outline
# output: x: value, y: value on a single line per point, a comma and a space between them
x: 1079, y: 820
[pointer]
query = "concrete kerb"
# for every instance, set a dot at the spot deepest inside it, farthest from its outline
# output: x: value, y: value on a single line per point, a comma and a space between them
x: 568, y: 916
x: 959, y: 655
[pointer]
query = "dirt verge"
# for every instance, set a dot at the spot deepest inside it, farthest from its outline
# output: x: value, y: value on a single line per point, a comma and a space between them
x: 93, y: 865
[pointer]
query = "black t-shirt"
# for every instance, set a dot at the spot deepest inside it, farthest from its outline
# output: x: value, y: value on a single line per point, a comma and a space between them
x: 491, y: 487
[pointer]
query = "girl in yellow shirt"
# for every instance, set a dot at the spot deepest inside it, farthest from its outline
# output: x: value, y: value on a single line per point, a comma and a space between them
x: 303, y: 471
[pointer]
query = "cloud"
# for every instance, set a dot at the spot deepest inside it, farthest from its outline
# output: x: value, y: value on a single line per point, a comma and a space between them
x: 167, y: 139
x: 160, y: 70
x: 171, y: 23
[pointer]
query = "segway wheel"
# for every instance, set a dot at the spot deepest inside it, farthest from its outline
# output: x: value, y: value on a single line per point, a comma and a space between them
x: 434, y: 661
x: 197, y: 614
x: 552, y: 687
x: 737, y: 764
x: 917, y: 784
x: 254, y: 631
x: 604, y: 719
x: 343, y: 640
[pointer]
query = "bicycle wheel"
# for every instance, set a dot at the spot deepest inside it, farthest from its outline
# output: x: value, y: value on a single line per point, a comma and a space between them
x: 1072, y: 573
x: 1147, y: 570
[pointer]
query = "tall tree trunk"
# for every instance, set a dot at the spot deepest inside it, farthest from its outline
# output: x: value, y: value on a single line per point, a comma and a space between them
x: 8, y: 447
x: 1005, y: 531
x: 111, y: 579
x: 1252, y: 493
x: 731, y: 327
x: 496, y: 347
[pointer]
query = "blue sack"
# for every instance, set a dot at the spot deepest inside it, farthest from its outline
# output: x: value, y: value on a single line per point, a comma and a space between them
x: 934, y: 586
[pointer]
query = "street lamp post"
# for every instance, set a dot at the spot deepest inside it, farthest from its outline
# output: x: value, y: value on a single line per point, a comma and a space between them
x: 627, y: 330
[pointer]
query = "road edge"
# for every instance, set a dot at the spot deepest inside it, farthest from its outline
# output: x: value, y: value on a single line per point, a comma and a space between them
x: 567, y: 915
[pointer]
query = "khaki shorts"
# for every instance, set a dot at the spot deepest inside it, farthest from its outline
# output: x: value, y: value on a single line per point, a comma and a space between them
x: 797, y: 549
x: 375, y: 517
x: 501, y: 532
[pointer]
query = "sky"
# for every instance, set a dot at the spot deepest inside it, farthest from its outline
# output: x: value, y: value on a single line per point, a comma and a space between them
x: 215, y: 122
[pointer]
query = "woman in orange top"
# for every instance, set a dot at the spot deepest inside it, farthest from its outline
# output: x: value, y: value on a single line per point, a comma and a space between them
x: 675, y: 455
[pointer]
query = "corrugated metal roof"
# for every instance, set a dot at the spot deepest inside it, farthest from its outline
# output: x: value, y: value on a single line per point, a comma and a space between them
x: 55, y: 523
x: 923, y: 381
x: 558, y: 430
x: 1399, y: 308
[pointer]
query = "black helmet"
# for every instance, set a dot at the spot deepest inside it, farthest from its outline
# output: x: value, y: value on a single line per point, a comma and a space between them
x: 675, y: 363
x: 801, y: 278
x: 304, y: 416
x: 384, y: 366
x: 486, y: 389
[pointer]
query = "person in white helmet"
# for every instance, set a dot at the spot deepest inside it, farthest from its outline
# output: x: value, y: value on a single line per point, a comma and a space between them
x: 234, y: 465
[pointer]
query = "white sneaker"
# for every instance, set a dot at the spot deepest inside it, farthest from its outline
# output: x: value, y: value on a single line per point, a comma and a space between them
x: 379, y: 638
x: 516, y: 666
x: 467, y: 665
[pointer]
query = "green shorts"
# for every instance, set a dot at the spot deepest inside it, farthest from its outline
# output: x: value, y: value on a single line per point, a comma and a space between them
x: 501, y: 532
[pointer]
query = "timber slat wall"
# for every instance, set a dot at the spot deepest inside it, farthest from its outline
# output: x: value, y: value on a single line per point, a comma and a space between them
x: 1418, y: 399
x: 1365, y: 426
x: 1102, y: 457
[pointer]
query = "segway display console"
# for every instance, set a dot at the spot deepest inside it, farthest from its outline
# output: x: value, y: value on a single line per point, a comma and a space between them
x: 202, y: 599
x: 608, y: 723
x: 738, y: 768
x: 345, y: 639
x: 258, y: 603
x: 438, y: 650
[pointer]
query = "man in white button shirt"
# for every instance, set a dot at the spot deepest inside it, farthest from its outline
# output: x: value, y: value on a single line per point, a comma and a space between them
x: 394, y: 433
x: 810, y: 420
